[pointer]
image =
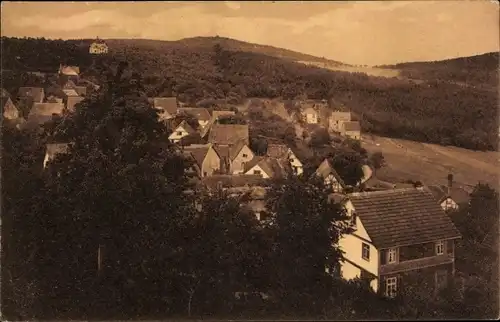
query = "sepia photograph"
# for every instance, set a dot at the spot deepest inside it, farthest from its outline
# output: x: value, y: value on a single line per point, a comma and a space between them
x: 250, y: 160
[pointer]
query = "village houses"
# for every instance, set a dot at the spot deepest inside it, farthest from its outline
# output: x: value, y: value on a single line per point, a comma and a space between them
x: 267, y: 167
x: 331, y: 178
x: 9, y: 110
x: 234, y: 157
x: 67, y: 73
x: 310, y: 114
x: 207, y: 161
x: 42, y: 113
x: 402, y: 238
x: 449, y: 197
x: 181, y: 130
x: 351, y: 130
x: 35, y: 93
x: 201, y: 114
x: 337, y: 119
x: 167, y: 105
x: 283, y: 152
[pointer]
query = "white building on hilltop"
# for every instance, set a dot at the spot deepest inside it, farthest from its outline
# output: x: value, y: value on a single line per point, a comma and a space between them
x: 98, y: 47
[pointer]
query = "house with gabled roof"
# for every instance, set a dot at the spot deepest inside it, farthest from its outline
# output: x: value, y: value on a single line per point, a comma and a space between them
x: 199, y: 113
x: 36, y: 93
x: 267, y: 167
x: 228, y: 134
x: 283, y: 152
x: 42, y: 113
x: 67, y: 72
x: 167, y: 105
x: 54, y: 149
x: 351, y: 129
x: 9, y: 110
x: 207, y: 161
x: 98, y: 47
x: 180, y: 131
x: 337, y: 119
x: 331, y: 177
x: 310, y: 114
x: 234, y: 157
x: 69, y: 92
x: 402, y: 239
x: 449, y: 197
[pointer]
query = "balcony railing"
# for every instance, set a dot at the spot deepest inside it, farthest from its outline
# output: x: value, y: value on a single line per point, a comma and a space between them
x: 416, y: 264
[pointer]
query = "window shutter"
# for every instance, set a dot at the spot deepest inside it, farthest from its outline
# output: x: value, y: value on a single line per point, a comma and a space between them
x: 400, y: 285
x: 383, y: 256
x: 383, y: 285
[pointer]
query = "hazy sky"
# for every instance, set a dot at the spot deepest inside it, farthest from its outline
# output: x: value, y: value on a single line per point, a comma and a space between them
x: 373, y: 32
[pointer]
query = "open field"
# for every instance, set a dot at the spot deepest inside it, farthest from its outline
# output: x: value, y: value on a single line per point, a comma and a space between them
x: 370, y: 71
x: 431, y: 163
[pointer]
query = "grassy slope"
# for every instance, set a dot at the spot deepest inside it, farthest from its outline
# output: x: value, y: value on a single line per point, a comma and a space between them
x: 431, y: 163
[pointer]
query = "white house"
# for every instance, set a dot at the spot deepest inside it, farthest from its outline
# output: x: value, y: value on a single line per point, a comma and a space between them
x: 98, y: 47
x: 282, y: 152
x: 401, y: 238
x: 180, y: 131
x: 331, y: 177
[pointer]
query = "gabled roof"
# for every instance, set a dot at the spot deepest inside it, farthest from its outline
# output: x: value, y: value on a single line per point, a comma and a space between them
x: 168, y: 104
x: 352, y: 126
x: 72, y: 101
x: 81, y: 90
x: 217, y: 114
x: 228, y: 134
x: 53, y: 149
x: 277, y: 151
x: 198, y: 152
x: 233, y: 181
x: 70, y: 92
x: 272, y: 167
x: 201, y: 114
x: 325, y: 169
x: 400, y: 217
x: 35, y: 92
x: 440, y: 193
x: 341, y: 116
x: 4, y: 93
x: 186, y: 127
x: 42, y: 112
x: 69, y: 70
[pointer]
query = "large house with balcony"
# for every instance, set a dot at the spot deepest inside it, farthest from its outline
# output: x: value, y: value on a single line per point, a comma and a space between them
x: 402, y: 238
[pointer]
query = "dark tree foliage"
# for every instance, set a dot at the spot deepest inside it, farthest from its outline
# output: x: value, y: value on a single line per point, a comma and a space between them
x: 232, y: 119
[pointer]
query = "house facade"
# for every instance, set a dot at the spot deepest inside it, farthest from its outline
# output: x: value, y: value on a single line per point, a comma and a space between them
x: 311, y: 115
x: 283, y: 152
x: 337, y: 119
x: 402, y: 241
x: 267, y: 167
x: 180, y: 131
x: 166, y: 105
x: 208, y: 161
x: 98, y: 47
x: 201, y: 114
x: 351, y: 129
x: 242, y: 154
x: 330, y: 176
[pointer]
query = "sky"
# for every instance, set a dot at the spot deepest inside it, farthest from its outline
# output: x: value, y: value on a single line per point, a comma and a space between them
x: 353, y: 32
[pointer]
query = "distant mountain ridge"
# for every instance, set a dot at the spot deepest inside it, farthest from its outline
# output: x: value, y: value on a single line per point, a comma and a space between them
x: 486, y: 60
x: 207, y: 43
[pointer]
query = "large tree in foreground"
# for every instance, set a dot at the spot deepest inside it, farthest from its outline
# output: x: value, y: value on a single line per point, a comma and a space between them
x: 114, y: 208
x: 307, y: 226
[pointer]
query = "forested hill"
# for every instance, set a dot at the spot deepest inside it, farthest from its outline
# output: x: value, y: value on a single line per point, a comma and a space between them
x: 432, y: 111
x: 479, y: 70
x: 207, y: 43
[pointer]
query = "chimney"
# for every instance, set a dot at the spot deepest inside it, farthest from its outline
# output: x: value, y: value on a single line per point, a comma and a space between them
x: 450, y: 182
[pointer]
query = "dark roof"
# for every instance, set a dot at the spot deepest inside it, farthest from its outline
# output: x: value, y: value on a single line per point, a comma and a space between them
x: 168, y: 104
x: 198, y: 151
x: 217, y: 114
x: 201, y: 114
x: 69, y: 70
x: 35, y: 92
x: 278, y: 151
x: 42, y: 112
x: 69, y: 85
x: 233, y: 181
x: 81, y: 90
x: 401, y: 217
x: 4, y: 93
x: 375, y: 183
x: 228, y: 134
x: 273, y: 167
x: 325, y: 169
x: 186, y: 127
x: 352, y: 126
x: 72, y: 101
x: 440, y: 193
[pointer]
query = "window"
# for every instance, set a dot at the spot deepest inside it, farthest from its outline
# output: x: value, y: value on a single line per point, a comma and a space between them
x: 392, y: 255
x: 257, y: 172
x: 205, y: 174
x: 365, y: 251
x: 440, y: 247
x: 179, y: 132
x: 353, y: 220
x: 391, y: 286
x: 245, y: 155
x: 257, y: 214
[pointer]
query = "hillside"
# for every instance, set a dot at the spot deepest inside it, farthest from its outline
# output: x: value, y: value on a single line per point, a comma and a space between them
x: 433, y: 112
x: 207, y: 44
x: 479, y: 70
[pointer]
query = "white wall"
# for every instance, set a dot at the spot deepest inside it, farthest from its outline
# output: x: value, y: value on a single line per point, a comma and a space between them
x: 256, y: 167
x: 296, y: 163
x: 351, y: 244
x: 449, y: 204
x: 175, y: 136
x: 211, y: 163
x: 312, y: 118
x: 237, y: 163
